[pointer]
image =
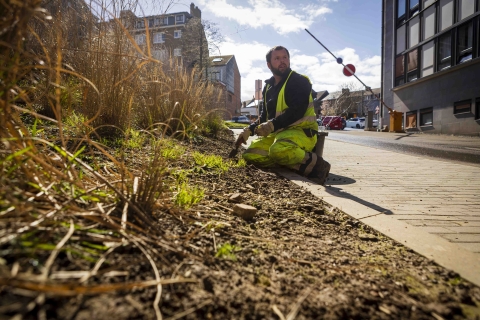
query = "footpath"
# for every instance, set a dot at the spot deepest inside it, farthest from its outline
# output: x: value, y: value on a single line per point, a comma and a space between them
x: 431, y: 206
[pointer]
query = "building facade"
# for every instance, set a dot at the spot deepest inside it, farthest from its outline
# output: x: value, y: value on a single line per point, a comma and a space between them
x: 431, y: 64
x: 166, y: 33
x: 350, y: 104
x: 224, y: 69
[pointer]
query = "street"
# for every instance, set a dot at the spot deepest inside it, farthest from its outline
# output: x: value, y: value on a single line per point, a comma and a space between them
x: 455, y: 148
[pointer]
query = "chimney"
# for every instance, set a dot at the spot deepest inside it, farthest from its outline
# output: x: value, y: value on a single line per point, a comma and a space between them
x: 258, y: 90
x: 194, y: 11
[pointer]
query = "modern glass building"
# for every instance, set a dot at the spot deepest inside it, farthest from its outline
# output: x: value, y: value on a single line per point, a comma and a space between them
x: 431, y: 64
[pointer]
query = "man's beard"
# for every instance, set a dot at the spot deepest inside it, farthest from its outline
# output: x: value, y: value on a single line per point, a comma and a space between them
x: 277, y: 72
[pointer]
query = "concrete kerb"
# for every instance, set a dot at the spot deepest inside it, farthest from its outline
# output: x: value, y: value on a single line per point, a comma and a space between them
x: 441, y: 251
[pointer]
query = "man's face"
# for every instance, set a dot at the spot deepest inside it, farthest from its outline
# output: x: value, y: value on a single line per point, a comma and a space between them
x: 280, y: 62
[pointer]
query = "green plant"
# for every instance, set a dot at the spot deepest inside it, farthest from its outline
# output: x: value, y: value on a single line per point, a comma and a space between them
x: 211, y: 161
x: 134, y: 139
x: 227, y: 251
x: 188, y: 195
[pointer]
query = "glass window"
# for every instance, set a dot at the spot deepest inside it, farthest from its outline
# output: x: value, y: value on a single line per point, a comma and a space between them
x: 399, y: 67
x: 414, y: 7
x: 177, y: 34
x: 446, y: 14
x: 428, y: 22
x: 165, y: 21
x: 179, y: 18
x: 177, y: 52
x: 464, y: 106
x: 140, y: 24
x: 401, y: 10
x: 412, y: 65
x: 428, y: 2
x: 401, y: 39
x: 159, y: 37
x: 413, y: 28
x: 444, y: 52
x: 465, y: 42
x: 150, y: 22
x: 426, y: 117
x: 140, y: 38
x: 411, y: 120
x: 465, y: 8
x: 428, y: 54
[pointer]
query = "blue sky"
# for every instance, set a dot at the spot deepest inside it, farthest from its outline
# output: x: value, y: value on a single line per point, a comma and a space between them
x: 350, y: 29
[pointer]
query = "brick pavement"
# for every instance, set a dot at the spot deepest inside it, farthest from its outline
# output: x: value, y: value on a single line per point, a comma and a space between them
x: 431, y: 206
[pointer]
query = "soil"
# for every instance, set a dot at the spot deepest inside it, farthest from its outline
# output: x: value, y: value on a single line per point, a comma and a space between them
x: 298, y: 258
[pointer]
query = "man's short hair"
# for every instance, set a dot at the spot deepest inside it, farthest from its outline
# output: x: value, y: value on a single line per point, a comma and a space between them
x: 269, y: 53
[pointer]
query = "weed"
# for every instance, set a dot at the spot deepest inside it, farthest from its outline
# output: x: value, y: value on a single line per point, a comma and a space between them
x: 227, y: 251
x: 134, y: 139
x: 187, y: 195
x: 211, y: 161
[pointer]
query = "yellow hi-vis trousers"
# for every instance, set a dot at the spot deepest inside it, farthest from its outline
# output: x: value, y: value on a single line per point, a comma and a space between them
x: 291, y: 148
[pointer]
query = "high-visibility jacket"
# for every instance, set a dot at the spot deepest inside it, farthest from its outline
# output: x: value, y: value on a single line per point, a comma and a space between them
x: 308, y: 121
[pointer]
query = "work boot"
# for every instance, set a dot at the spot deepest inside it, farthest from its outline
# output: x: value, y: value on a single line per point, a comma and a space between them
x: 320, y: 172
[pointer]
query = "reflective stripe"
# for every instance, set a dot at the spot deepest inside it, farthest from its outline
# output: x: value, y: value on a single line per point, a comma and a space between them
x: 288, y: 141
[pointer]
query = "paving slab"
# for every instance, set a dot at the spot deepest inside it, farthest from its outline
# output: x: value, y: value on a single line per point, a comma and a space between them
x: 393, y: 192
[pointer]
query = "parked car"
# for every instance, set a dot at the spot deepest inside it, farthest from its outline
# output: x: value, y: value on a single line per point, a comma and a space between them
x: 241, y: 119
x: 332, y: 122
x: 358, y: 123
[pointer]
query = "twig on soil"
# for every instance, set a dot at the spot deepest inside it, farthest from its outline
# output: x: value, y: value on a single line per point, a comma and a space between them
x: 260, y: 239
x: 191, y: 310
x: 294, y: 311
x: 53, y: 255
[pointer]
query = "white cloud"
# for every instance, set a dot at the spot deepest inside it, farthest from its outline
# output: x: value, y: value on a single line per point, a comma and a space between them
x: 261, y: 13
x: 322, y: 69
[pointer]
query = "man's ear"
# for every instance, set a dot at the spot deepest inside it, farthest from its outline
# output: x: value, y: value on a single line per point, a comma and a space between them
x: 269, y: 65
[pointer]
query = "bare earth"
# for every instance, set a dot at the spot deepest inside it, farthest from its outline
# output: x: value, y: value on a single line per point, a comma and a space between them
x: 297, y: 259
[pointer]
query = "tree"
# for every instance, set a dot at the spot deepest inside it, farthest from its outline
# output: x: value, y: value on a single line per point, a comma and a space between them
x: 200, y: 39
x: 346, y: 101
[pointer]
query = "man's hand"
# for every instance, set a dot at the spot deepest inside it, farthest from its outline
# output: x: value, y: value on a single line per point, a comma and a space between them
x: 264, y: 129
x: 243, y: 137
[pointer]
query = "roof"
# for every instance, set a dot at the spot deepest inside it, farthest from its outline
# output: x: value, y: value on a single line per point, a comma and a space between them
x: 337, y: 94
x: 220, y: 60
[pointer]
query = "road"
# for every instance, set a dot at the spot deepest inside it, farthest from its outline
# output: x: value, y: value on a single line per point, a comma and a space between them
x: 460, y: 149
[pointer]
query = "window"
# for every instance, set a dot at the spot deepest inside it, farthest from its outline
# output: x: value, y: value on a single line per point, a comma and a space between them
x: 177, y: 34
x: 465, y: 8
x: 215, y: 75
x: 177, y: 52
x: 412, y: 65
x: 428, y: 54
x: 401, y: 39
x: 401, y: 11
x: 444, y: 52
x: 140, y: 24
x: 140, y: 38
x: 426, y: 117
x: 150, y: 22
x: 413, y: 32
x: 464, y: 106
x: 399, y: 70
x: 165, y: 21
x: 477, y: 109
x: 159, y: 37
x: 179, y: 18
x: 159, y: 54
x: 446, y: 14
x: 414, y: 8
x: 465, y: 42
x: 428, y: 22
x: 411, y: 121
x: 158, y: 21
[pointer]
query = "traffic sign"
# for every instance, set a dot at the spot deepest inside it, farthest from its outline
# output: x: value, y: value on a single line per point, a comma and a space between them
x: 349, y: 70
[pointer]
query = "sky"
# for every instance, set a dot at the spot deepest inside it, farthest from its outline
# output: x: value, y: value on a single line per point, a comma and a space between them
x: 350, y: 29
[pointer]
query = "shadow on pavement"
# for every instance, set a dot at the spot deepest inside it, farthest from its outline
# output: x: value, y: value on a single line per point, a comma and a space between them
x: 338, y: 192
x: 408, y: 135
x: 334, y: 179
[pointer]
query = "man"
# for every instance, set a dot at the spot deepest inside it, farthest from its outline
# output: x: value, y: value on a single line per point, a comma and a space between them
x: 287, y: 125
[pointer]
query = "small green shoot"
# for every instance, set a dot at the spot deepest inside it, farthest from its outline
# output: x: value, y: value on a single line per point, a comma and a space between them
x: 226, y: 251
x: 188, y: 196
